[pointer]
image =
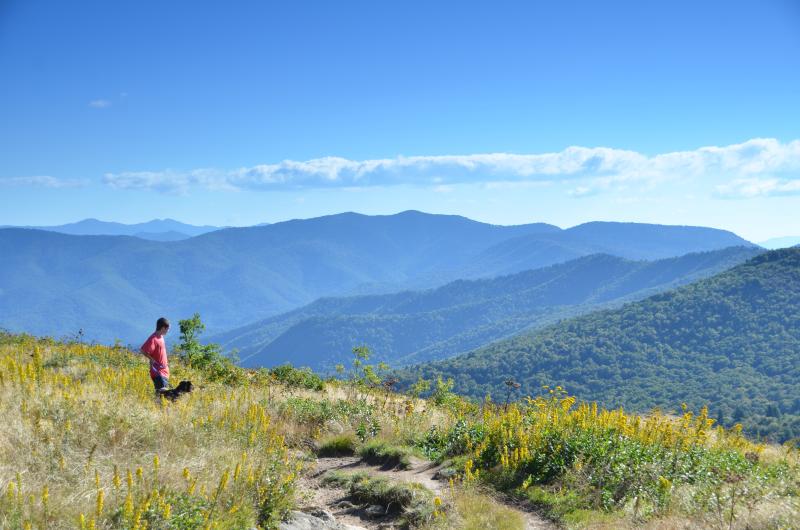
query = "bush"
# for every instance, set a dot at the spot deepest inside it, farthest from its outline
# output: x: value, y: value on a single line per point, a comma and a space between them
x: 307, y: 411
x: 205, y: 357
x: 297, y: 377
x: 359, y: 415
x: 438, y: 444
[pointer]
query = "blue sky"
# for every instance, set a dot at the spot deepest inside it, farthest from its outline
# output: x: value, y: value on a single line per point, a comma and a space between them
x: 506, y: 112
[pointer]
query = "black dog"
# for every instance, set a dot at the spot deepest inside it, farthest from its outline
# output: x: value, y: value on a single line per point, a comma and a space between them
x: 184, y: 387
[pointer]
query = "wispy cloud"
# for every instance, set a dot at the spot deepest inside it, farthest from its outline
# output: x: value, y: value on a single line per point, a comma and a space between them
x: 759, y: 187
x: 168, y: 181
x: 41, y: 181
x: 593, y: 170
x: 100, y: 103
x: 583, y: 191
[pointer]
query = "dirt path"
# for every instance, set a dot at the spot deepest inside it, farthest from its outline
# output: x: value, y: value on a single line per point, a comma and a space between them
x: 422, y: 472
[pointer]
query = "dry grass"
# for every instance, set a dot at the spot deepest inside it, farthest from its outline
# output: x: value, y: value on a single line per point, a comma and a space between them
x: 86, y: 443
x: 476, y: 511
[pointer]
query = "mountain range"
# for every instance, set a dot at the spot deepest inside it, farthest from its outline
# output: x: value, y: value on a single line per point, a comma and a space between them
x: 114, y: 287
x: 731, y: 341
x: 781, y: 242
x: 415, y: 326
x: 155, y: 230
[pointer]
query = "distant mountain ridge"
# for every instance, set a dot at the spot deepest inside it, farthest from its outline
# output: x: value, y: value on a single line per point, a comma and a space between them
x: 156, y: 230
x: 112, y: 287
x: 781, y: 242
x: 731, y: 341
x: 146, y: 230
x: 414, y: 326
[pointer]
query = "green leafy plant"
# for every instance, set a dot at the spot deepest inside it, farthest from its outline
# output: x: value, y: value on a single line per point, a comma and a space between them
x: 296, y: 377
x: 207, y: 358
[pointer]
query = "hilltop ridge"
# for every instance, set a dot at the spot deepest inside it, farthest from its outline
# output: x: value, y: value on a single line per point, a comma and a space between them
x: 414, y: 326
x: 57, y: 284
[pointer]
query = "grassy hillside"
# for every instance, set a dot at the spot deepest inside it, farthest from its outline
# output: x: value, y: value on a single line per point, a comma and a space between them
x: 731, y: 341
x: 84, y: 444
x: 415, y: 326
x: 56, y: 284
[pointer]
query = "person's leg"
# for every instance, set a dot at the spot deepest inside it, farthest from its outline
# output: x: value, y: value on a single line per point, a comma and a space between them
x: 161, y: 383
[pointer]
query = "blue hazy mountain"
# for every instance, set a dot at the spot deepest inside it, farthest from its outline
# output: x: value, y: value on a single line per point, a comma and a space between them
x: 781, y: 242
x: 114, y: 286
x: 415, y: 326
x: 157, y: 229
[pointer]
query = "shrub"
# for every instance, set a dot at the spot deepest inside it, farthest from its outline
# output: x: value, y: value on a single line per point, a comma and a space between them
x: 205, y: 357
x: 606, y: 459
x: 297, y: 377
x: 438, y: 444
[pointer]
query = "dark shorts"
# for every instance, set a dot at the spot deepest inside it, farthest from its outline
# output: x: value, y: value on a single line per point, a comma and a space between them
x: 160, y: 382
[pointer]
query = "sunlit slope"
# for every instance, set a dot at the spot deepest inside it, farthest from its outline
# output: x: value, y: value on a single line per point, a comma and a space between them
x: 86, y: 445
x: 414, y: 326
x: 731, y: 341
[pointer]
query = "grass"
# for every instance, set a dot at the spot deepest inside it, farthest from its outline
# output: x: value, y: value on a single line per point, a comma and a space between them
x: 100, y: 451
x: 340, y: 445
x: 573, y: 458
x: 381, y: 453
x: 415, y: 504
x: 475, y: 511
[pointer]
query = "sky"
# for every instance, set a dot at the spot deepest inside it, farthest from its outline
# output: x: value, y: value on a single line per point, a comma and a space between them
x: 237, y: 113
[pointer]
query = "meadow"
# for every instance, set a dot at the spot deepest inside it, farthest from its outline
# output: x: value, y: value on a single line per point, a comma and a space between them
x: 85, y: 444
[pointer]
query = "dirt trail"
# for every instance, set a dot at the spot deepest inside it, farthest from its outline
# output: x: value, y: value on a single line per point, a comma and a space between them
x: 420, y: 471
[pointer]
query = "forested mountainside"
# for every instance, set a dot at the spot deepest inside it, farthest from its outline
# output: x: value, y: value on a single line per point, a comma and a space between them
x: 731, y: 341
x: 414, y: 326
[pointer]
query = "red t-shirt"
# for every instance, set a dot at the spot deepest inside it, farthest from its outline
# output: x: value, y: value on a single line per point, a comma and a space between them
x: 156, y: 350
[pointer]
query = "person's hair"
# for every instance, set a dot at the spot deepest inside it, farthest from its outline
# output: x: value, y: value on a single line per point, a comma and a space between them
x: 162, y: 323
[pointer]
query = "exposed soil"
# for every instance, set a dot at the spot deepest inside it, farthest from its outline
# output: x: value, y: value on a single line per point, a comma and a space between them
x: 335, y: 500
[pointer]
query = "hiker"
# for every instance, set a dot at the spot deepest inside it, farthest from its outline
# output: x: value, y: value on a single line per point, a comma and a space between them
x: 155, y: 349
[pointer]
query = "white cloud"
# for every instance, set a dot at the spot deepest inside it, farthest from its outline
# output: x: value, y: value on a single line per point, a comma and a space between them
x: 42, y: 181
x: 593, y: 169
x: 168, y: 181
x: 583, y: 191
x: 749, y: 188
x: 99, y: 103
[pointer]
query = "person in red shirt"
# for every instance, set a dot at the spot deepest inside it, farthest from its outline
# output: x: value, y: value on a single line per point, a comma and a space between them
x: 155, y: 350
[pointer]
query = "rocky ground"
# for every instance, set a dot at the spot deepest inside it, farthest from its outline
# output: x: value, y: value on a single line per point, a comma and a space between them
x: 330, y: 508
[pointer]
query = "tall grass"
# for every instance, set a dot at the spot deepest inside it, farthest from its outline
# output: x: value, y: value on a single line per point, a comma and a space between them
x: 568, y: 457
x: 85, y: 444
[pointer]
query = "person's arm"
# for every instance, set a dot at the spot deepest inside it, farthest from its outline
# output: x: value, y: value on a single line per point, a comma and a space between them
x: 147, y: 349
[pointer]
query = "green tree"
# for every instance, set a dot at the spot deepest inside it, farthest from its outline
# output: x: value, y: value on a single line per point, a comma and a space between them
x: 205, y: 357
